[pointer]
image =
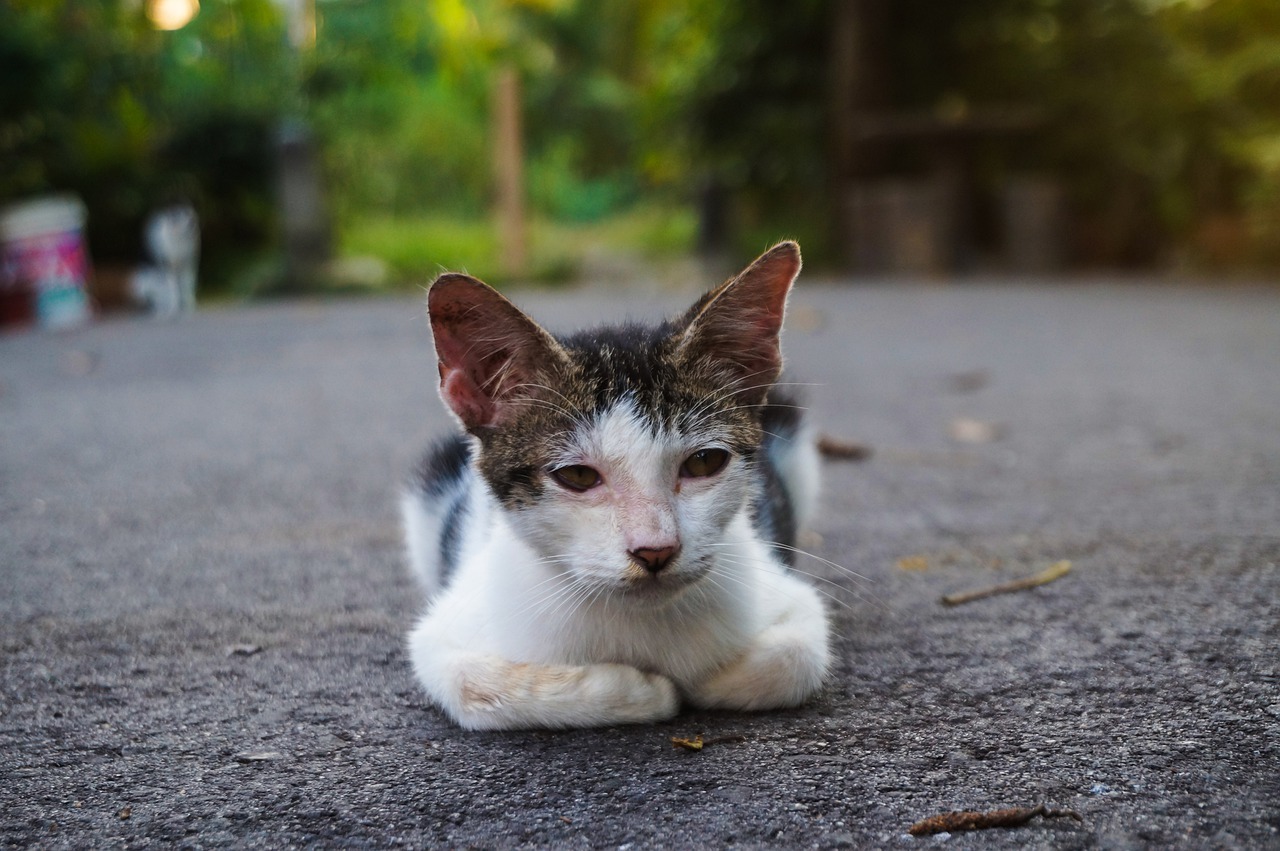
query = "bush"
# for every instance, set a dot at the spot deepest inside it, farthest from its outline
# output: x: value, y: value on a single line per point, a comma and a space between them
x: 131, y: 119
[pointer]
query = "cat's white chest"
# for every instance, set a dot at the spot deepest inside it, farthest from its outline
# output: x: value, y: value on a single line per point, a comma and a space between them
x: 539, y: 616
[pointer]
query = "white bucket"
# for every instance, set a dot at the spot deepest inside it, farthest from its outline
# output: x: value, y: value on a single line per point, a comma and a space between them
x: 43, y: 262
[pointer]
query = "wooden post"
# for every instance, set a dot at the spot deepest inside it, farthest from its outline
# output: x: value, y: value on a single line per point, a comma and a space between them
x: 304, y: 214
x: 508, y: 164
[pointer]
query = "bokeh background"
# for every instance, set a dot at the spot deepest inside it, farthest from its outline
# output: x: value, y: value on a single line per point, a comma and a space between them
x: 550, y: 139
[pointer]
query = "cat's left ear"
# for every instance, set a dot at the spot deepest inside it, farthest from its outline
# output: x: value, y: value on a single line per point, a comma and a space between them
x: 736, y: 325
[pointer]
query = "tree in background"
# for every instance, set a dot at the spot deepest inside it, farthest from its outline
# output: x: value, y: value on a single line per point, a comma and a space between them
x: 131, y: 118
x: 400, y: 92
x: 1229, y: 51
x: 1159, y: 117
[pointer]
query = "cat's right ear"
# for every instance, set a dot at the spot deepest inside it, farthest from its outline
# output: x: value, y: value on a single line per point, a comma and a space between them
x: 488, y: 351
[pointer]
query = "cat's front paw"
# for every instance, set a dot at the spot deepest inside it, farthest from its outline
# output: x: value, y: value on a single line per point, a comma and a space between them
x: 784, y: 667
x: 489, y: 693
x: 642, y: 696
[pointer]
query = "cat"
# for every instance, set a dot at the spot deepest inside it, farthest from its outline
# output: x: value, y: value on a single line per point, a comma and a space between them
x: 611, y: 534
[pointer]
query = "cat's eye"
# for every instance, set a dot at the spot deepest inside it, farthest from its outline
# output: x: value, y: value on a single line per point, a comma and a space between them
x: 703, y: 463
x: 576, y: 477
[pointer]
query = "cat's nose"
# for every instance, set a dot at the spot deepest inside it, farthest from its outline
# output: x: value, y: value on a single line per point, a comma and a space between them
x: 653, y: 559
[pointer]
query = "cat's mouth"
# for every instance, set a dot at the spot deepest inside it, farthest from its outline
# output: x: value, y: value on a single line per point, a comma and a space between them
x: 661, y: 587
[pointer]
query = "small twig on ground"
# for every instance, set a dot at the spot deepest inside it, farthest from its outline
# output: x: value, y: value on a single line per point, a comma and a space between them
x: 954, y: 822
x: 697, y: 743
x: 1056, y: 571
x: 842, y: 450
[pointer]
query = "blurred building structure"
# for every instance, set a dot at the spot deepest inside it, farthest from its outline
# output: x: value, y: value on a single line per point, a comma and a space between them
x: 927, y: 219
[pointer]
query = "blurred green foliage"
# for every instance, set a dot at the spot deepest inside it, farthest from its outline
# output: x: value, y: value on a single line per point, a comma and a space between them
x: 96, y: 101
x: 419, y: 247
x: 399, y: 96
x: 1163, y: 115
x: 1160, y: 118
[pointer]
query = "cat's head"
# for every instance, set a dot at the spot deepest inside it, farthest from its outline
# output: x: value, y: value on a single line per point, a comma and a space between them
x: 621, y: 455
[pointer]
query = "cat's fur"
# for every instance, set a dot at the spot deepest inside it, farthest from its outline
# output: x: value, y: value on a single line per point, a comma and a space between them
x: 552, y: 606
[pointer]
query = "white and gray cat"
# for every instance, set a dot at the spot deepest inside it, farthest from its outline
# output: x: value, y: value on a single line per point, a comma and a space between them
x: 612, y: 535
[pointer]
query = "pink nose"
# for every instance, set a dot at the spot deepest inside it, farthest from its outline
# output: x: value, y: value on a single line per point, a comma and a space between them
x: 653, y: 559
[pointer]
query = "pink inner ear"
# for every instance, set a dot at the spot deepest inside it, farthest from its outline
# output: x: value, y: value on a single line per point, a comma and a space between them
x: 486, y: 347
x: 741, y: 323
x: 760, y: 293
x: 468, y: 401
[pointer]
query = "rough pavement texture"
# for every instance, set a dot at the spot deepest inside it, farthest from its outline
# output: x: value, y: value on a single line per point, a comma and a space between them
x: 204, y: 600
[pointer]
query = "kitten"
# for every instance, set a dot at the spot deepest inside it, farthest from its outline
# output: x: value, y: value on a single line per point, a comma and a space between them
x: 611, y: 537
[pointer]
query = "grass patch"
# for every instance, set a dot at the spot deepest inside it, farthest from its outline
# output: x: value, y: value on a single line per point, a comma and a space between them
x: 416, y: 249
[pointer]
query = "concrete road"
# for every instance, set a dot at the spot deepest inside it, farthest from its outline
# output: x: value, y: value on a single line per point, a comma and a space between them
x: 204, y: 600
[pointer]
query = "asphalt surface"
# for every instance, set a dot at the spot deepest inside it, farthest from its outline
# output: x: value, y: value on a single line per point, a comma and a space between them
x: 204, y: 599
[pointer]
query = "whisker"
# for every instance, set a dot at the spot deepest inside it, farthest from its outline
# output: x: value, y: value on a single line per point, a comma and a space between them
x: 864, y: 594
x: 724, y: 391
x: 578, y: 588
x: 742, y: 582
x: 833, y: 598
x: 549, y: 406
x: 577, y: 416
x: 588, y: 594
x: 711, y: 579
x: 560, y: 583
x: 551, y: 603
x: 852, y: 574
x: 729, y: 389
x: 539, y: 604
x: 553, y: 559
x: 769, y: 405
x: 868, y: 597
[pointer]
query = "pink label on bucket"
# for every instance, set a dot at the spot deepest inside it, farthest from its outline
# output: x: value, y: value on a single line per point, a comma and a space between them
x: 47, y: 261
